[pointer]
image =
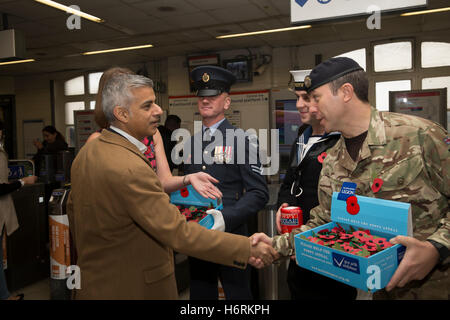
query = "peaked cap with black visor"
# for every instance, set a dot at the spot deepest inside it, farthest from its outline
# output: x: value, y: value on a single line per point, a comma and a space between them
x: 211, y: 81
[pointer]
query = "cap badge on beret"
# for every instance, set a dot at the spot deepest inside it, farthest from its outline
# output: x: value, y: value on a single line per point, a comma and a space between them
x: 205, y: 77
x: 307, y: 81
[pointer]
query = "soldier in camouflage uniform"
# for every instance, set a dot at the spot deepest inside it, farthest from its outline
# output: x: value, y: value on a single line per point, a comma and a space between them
x: 409, y: 154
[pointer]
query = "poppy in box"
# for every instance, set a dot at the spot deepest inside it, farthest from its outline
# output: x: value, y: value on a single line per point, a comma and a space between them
x: 337, y: 230
x: 327, y: 237
x: 359, y: 234
x: 376, y: 185
x: 346, y: 236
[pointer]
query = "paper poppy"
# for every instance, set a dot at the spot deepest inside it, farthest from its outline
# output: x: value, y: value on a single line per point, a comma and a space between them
x: 353, y: 208
x: 376, y: 185
x: 346, y: 236
x: 351, y: 200
x: 385, y: 245
x: 337, y: 230
x: 326, y: 237
x: 184, y: 192
x: 322, y: 157
x: 359, y: 234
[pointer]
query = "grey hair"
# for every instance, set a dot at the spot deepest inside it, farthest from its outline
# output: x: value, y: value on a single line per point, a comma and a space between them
x: 117, y: 92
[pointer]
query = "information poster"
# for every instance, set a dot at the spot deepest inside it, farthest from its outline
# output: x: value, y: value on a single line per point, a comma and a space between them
x: 428, y: 104
x: 85, y: 125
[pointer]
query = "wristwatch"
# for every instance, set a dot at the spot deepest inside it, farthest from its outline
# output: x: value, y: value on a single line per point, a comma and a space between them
x: 443, y: 251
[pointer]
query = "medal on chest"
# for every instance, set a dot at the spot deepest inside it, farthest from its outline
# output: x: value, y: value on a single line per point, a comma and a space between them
x: 223, y: 154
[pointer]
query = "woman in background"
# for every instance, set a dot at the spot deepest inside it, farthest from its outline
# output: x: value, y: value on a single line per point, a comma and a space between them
x: 8, y: 218
x: 201, y: 181
x: 53, y: 141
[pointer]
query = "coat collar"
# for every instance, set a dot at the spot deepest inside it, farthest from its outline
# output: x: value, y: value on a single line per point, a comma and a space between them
x: 376, y: 136
x: 115, y: 138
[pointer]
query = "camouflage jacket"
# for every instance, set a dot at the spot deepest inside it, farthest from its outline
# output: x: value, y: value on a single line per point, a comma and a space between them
x: 412, y: 157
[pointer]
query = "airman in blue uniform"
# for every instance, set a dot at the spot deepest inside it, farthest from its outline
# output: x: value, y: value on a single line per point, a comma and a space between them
x: 228, y: 158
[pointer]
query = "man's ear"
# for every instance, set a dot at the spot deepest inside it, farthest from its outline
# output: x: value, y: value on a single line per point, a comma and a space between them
x: 121, y: 114
x: 347, y: 91
x: 227, y: 102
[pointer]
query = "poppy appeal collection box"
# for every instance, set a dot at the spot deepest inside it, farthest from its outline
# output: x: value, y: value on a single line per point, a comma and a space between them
x: 186, y: 198
x: 354, y: 247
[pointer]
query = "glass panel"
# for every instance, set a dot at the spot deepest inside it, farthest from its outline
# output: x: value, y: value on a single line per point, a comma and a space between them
x: 357, y: 55
x: 393, y: 56
x: 435, y: 54
x: 74, y: 86
x: 382, y: 92
x: 70, y: 136
x: 92, y: 105
x: 94, y: 78
x: 438, y: 83
x: 70, y: 107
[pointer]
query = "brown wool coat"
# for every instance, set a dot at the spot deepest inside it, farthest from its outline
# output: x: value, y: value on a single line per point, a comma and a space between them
x: 125, y: 229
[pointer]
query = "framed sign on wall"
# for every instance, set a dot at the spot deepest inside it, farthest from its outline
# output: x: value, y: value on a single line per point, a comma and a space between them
x: 429, y: 104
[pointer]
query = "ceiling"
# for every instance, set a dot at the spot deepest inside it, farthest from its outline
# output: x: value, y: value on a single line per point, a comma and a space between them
x: 176, y: 27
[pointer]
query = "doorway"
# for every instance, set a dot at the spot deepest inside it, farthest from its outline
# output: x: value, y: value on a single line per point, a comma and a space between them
x: 8, y: 116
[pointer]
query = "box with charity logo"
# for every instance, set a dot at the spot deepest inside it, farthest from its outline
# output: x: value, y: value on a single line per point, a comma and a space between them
x: 375, y: 219
x: 193, y: 206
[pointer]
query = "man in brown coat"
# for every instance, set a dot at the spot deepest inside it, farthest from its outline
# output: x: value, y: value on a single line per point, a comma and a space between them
x: 123, y: 225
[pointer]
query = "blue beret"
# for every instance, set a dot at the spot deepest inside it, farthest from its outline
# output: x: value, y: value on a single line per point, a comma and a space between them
x: 211, y: 80
x: 331, y: 70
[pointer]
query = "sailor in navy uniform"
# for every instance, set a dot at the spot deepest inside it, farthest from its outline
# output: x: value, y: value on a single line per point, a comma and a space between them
x: 232, y: 161
x: 299, y: 188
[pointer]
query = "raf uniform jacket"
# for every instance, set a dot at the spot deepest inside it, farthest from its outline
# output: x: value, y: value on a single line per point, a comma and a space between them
x: 412, y: 158
x: 124, y: 227
x: 237, y: 168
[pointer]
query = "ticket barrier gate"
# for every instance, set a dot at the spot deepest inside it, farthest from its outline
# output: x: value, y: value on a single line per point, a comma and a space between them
x: 62, y: 253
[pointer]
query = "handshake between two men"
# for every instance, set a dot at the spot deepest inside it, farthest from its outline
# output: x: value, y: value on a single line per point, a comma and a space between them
x: 262, y: 253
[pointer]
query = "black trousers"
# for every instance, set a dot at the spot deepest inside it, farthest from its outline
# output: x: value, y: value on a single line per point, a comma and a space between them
x: 307, y: 285
x: 203, y: 281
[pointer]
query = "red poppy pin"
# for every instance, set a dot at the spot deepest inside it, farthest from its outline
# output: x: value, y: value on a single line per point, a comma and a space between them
x: 184, y: 192
x: 376, y: 185
x: 352, y: 205
x: 322, y: 157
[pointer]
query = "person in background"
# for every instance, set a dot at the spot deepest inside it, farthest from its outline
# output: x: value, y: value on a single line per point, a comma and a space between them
x: 122, y: 223
x: 53, y: 141
x: 242, y: 184
x: 299, y: 188
x: 8, y: 218
x: 172, y: 123
x: 202, y: 182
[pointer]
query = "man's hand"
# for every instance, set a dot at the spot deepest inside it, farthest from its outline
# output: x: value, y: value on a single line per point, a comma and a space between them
x: 203, y: 184
x: 262, y: 253
x: 420, y: 258
x: 278, y: 217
